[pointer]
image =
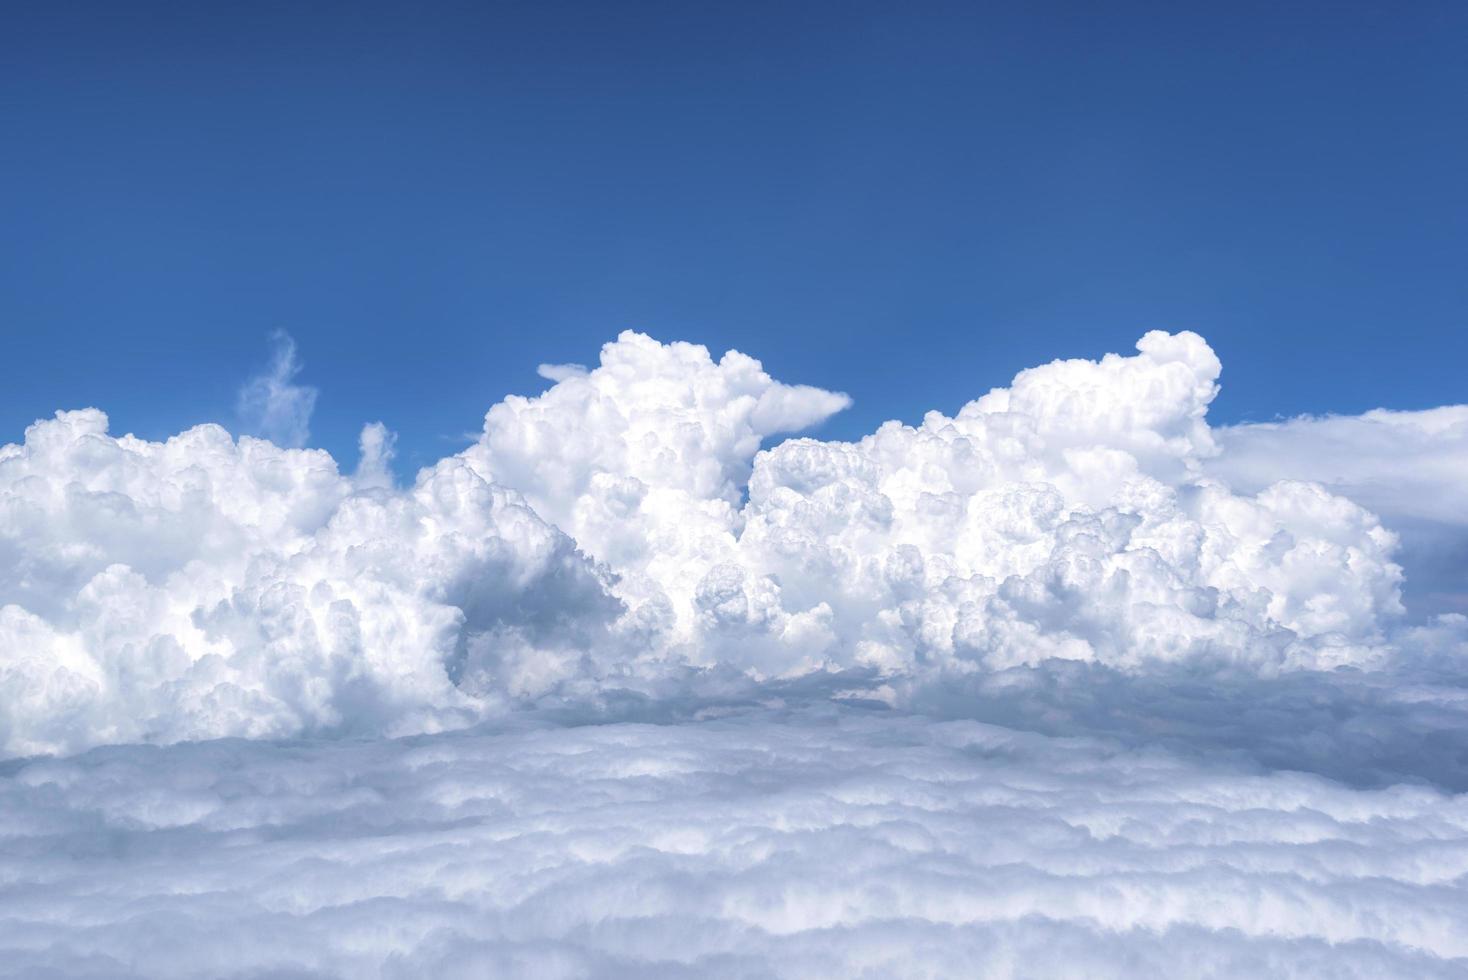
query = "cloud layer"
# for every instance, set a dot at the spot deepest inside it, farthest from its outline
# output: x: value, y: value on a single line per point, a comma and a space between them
x: 622, y: 539
x: 808, y: 844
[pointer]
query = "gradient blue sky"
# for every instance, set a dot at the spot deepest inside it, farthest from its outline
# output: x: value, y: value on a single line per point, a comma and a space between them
x: 907, y: 202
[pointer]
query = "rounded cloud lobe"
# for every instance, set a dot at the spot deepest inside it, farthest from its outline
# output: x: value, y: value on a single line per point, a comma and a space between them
x: 1408, y: 467
x: 622, y: 535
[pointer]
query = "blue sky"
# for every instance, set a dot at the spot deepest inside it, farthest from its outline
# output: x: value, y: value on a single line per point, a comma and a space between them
x: 908, y: 206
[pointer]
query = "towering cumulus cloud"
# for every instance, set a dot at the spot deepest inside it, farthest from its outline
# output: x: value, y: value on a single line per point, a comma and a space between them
x: 1063, y: 517
x: 622, y: 535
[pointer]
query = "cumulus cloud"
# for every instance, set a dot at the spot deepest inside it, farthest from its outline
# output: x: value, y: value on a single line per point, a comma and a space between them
x: 1410, y: 468
x: 623, y: 538
x: 815, y: 843
x: 1066, y: 516
x: 205, y: 586
x: 270, y: 404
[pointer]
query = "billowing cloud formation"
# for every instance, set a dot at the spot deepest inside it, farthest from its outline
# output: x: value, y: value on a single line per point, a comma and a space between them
x: 1411, y: 468
x: 1065, y: 516
x: 621, y: 539
x: 814, y: 844
x: 203, y: 587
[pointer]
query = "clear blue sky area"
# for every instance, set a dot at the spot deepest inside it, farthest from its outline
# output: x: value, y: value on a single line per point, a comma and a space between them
x: 905, y: 201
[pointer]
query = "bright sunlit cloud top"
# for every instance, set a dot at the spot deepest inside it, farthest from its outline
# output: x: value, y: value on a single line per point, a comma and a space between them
x: 622, y: 534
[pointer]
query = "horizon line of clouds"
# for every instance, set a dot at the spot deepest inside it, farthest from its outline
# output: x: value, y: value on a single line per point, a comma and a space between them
x: 625, y: 534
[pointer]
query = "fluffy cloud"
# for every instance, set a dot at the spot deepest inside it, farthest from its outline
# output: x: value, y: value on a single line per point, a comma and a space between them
x: 202, y: 587
x: 1409, y: 467
x: 621, y: 539
x: 806, y: 844
x: 1066, y: 516
x: 643, y: 460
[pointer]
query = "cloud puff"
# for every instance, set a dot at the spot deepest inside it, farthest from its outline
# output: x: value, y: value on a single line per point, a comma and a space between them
x: 1408, y: 467
x: 271, y: 405
x: 805, y: 844
x: 644, y: 460
x: 202, y: 587
x: 1065, y: 516
x: 622, y: 540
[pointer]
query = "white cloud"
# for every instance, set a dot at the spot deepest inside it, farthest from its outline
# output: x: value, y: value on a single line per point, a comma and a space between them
x: 271, y: 405
x: 1411, y: 468
x: 622, y: 539
x: 560, y: 372
x: 1065, y: 516
x: 377, y: 446
x: 1403, y: 464
x: 806, y: 844
x: 203, y: 587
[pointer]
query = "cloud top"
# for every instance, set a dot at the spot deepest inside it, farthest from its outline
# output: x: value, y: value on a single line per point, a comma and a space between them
x: 624, y: 537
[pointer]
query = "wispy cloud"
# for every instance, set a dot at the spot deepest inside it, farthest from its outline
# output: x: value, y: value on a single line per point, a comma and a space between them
x: 270, y: 404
